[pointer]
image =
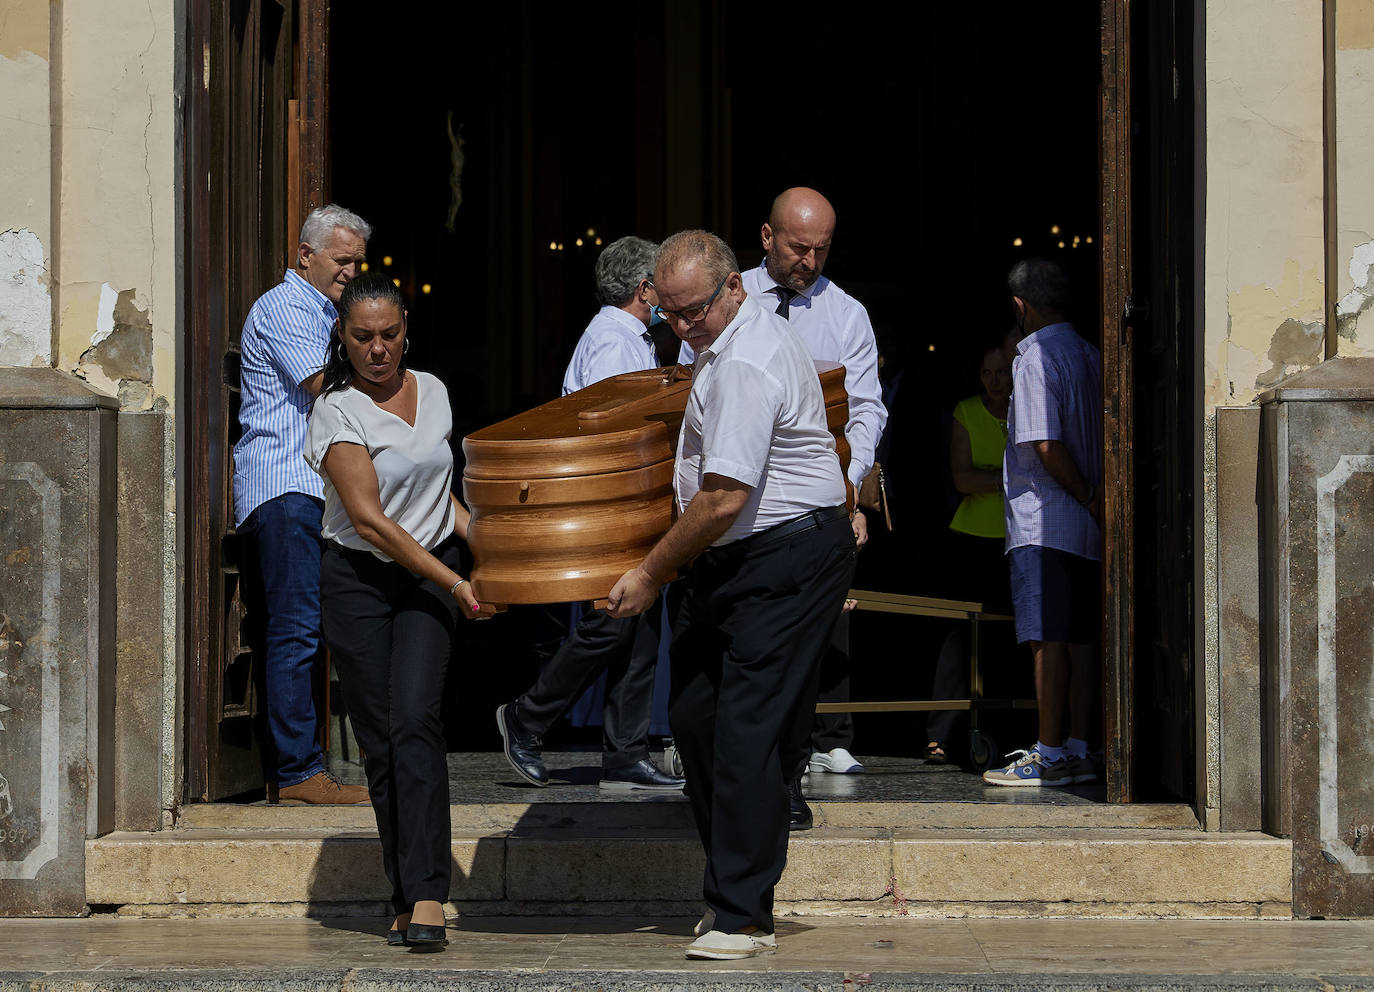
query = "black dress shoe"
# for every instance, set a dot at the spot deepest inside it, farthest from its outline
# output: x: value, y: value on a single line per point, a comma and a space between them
x: 396, y: 938
x: 641, y: 775
x: 799, y: 814
x: 424, y: 937
x: 522, y: 747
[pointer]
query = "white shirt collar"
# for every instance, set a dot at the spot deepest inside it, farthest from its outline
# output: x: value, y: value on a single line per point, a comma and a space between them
x: 1053, y: 329
x: 747, y: 311
x: 300, y: 283
x: 626, y: 319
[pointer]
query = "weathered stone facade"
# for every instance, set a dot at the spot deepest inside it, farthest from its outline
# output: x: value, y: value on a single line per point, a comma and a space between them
x: 92, y: 284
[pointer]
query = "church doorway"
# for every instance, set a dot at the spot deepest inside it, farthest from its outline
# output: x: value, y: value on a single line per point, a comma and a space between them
x: 496, y: 149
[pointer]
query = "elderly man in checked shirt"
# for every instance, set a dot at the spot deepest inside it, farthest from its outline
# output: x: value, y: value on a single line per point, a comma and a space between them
x: 616, y: 341
x: 1052, y: 478
x: 278, y: 500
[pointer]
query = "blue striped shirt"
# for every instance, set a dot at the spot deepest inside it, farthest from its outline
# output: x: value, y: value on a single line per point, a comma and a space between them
x: 284, y: 342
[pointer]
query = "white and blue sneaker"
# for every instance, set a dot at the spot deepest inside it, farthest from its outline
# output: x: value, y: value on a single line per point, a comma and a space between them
x: 837, y: 760
x: 1031, y: 768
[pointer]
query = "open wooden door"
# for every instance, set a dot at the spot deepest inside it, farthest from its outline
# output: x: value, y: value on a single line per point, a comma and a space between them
x: 1118, y: 391
x: 1150, y: 403
x: 251, y: 62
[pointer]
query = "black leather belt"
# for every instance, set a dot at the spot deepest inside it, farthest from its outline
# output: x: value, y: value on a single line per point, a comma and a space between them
x: 810, y: 520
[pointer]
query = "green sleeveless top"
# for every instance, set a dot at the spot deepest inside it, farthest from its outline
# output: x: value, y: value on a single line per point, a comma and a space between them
x: 980, y: 514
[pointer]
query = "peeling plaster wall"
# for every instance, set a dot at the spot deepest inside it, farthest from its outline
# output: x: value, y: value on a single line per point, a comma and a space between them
x: 117, y: 295
x: 1264, y: 293
x: 1354, y: 78
x: 26, y: 193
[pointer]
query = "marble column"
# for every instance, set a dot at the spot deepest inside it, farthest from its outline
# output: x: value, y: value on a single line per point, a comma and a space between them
x: 57, y: 603
x: 1317, y: 617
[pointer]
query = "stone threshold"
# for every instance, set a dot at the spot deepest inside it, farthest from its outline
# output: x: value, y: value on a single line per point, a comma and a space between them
x: 673, y: 812
x: 535, y: 868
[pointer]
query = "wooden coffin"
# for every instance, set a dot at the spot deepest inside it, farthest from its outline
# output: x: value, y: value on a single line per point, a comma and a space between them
x: 567, y: 497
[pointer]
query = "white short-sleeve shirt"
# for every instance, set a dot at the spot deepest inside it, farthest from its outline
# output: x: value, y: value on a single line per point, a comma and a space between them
x: 414, y: 465
x: 756, y: 414
x: 835, y: 328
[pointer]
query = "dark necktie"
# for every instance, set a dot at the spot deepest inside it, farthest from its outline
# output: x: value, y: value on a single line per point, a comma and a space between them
x: 784, y: 300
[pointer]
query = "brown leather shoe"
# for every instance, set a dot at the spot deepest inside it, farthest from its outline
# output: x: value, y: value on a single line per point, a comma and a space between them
x: 323, y: 788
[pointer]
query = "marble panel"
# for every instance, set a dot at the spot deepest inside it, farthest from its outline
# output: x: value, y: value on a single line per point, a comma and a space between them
x: 138, y: 670
x: 1329, y: 643
x: 1238, y: 625
x: 56, y: 637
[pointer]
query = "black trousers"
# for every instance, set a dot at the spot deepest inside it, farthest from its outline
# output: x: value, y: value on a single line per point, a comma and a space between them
x: 824, y: 731
x: 391, y: 633
x: 626, y: 650
x: 750, y: 621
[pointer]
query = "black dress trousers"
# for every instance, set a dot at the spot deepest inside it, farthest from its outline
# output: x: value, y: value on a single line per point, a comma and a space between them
x: 626, y: 649
x: 390, y: 634
x: 750, y: 622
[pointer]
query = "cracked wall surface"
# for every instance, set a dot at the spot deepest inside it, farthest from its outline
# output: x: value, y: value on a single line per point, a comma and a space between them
x: 25, y: 194
x: 88, y: 279
x: 119, y: 186
x: 1354, y: 79
x: 1264, y: 293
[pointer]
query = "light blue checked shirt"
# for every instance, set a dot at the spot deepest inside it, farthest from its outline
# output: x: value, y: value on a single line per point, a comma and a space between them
x: 1056, y: 395
x: 283, y: 344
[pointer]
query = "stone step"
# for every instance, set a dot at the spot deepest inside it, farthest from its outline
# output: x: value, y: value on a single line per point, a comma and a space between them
x: 673, y: 812
x: 532, y: 869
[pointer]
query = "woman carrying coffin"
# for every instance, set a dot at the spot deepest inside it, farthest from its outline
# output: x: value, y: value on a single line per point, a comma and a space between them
x: 389, y: 585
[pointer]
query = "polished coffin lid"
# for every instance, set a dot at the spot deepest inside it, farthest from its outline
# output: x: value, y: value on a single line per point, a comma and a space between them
x: 570, y: 495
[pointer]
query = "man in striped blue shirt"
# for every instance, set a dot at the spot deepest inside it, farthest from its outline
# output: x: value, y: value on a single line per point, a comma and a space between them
x: 278, y: 500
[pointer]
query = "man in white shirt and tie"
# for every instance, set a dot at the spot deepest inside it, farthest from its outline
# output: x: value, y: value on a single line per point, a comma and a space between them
x: 615, y: 342
x: 835, y: 328
x: 768, y: 550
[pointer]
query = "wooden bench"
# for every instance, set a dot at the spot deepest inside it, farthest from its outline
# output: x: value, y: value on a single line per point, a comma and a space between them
x: 982, y: 748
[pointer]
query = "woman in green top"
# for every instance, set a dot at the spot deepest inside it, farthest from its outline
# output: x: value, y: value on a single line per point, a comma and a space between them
x: 978, y: 439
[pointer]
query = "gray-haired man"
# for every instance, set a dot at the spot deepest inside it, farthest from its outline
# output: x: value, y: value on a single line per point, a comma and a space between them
x: 278, y: 502
x: 616, y: 341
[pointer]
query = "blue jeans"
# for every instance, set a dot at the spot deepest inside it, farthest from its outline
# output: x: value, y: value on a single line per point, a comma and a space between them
x: 283, y: 547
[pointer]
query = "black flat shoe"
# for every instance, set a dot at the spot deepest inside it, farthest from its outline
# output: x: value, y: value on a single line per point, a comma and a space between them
x: 426, y: 938
x: 396, y: 938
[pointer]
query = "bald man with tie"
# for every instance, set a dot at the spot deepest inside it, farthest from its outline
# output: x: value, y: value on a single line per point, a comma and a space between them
x: 835, y: 328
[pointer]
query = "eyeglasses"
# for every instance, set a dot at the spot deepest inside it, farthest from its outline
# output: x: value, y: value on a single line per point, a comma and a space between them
x: 692, y: 315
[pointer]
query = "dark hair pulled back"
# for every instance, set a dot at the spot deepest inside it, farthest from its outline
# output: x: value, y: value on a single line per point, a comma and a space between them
x: 338, y: 371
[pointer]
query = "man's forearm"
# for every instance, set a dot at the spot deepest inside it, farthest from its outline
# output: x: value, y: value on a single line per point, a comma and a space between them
x: 707, y: 517
x: 1060, y: 464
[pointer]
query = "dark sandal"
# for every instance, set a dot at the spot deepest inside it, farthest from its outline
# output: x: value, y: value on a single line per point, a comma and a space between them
x: 935, y: 754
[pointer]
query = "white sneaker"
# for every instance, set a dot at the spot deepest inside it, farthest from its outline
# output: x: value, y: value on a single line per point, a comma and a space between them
x: 716, y: 946
x: 838, y: 761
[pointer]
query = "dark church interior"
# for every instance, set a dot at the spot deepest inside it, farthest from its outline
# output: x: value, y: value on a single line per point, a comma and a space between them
x: 497, y: 148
